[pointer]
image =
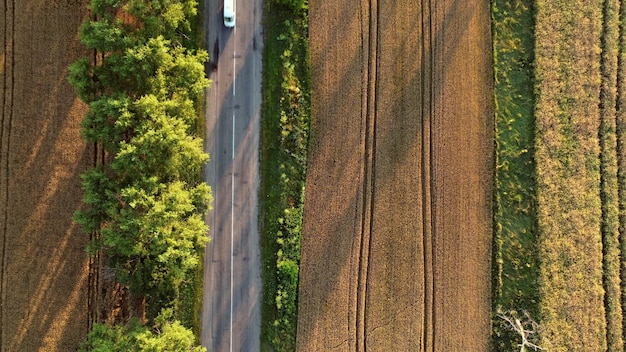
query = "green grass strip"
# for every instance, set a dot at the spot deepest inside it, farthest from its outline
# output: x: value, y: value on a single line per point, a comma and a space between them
x: 284, y: 136
x: 515, y: 264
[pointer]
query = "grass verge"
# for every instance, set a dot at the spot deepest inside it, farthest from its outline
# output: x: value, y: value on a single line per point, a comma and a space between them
x: 515, y: 257
x: 284, y: 135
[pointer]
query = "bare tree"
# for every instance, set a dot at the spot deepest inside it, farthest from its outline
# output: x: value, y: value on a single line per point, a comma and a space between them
x: 525, y: 327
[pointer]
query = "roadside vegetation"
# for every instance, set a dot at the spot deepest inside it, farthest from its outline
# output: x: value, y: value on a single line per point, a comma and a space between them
x: 146, y: 202
x: 515, y: 256
x: 284, y: 136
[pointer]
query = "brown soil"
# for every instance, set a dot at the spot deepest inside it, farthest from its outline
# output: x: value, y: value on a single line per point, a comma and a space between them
x: 397, y: 223
x: 44, y: 267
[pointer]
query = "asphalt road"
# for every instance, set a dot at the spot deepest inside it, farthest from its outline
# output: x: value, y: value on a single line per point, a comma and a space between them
x: 232, y: 282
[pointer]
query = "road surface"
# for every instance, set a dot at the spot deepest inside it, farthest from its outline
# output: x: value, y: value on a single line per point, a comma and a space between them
x: 232, y: 282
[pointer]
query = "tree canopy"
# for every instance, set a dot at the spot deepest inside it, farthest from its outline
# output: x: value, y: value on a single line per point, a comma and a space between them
x: 166, y: 336
x: 147, y: 201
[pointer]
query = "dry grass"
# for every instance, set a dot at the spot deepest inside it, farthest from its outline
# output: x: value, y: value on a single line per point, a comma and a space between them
x: 397, y: 222
x: 44, y: 266
x: 568, y: 175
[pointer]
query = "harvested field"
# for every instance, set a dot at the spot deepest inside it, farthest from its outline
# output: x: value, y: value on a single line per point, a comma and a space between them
x: 397, y: 219
x: 44, y: 268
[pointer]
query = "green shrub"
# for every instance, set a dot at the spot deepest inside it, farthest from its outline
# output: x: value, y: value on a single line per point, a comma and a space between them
x: 293, y: 5
x: 286, y: 114
x: 166, y: 336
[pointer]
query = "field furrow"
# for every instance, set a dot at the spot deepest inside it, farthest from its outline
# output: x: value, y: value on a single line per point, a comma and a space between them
x: 6, y: 70
x: 461, y: 153
x: 368, y: 86
x: 397, y: 220
x: 426, y: 178
x: 395, y: 296
x: 335, y: 182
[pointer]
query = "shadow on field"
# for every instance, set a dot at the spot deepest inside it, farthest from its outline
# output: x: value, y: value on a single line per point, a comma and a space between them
x: 45, y: 268
x: 396, y: 251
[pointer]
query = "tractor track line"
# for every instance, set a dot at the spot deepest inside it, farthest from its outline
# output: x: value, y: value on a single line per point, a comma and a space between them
x: 369, y: 167
x: 427, y: 186
x: 8, y: 115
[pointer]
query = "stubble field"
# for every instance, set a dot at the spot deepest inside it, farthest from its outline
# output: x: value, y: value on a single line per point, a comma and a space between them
x: 397, y: 219
x: 44, y: 268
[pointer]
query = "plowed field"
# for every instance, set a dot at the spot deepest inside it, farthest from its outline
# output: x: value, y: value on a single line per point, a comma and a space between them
x: 397, y: 220
x: 44, y: 268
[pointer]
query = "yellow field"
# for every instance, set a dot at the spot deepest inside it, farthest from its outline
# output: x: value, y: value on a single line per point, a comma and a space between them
x: 397, y: 217
x: 44, y: 268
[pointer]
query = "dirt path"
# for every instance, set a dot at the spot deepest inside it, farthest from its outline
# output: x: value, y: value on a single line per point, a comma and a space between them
x: 44, y: 271
x: 398, y: 205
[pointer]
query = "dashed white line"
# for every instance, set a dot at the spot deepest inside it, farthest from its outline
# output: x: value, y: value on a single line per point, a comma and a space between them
x: 232, y: 207
x: 232, y: 191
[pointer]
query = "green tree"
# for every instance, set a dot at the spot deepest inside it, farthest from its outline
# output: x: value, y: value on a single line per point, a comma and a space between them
x: 293, y: 5
x: 150, y: 18
x: 166, y: 336
x: 169, y: 18
x: 147, y: 203
x: 170, y: 336
x: 161, y: 145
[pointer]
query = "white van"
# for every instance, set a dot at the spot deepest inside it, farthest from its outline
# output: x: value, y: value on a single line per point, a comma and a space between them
x: 229, y: 13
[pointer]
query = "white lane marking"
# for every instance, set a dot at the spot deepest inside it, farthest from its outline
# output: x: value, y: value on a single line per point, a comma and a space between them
x: 232, y: 234
x: 234, y: 70
x: 232, y: 193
